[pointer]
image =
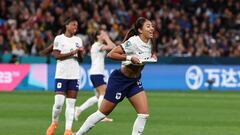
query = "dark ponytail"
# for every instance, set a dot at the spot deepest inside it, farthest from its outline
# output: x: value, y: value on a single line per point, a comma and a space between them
x: 134, y: 30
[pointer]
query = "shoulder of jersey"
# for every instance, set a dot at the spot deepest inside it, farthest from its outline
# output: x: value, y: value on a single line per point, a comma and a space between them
x: 133, y: 38
x: 59, y: 36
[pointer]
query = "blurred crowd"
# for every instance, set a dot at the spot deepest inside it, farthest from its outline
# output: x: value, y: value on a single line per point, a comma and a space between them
x: 184, y: 28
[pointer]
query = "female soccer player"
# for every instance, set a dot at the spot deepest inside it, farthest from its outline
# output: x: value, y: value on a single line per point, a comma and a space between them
x: 67, y: 49
x: 125, y: 82
x: 101, y: 45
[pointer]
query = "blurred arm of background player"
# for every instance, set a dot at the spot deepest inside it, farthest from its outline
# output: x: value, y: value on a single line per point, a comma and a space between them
x: 109, y: 44
x: 46, y: 51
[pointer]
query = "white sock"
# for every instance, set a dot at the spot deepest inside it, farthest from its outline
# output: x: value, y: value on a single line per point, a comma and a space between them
x: 69, y: 113
x: 100, y: 99
x: 90, y: 122
x: 88, y: 103
x: 57, y: 107
x: 139, y: 124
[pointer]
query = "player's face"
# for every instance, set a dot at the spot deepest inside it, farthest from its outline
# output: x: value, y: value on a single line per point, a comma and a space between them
x: 147, y: 29
x: 72, y: 27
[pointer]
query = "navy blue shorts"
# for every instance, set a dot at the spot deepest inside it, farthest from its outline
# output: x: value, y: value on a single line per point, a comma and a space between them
x: 97, y: 80
x: 119, y: 86
x: 66, y: 84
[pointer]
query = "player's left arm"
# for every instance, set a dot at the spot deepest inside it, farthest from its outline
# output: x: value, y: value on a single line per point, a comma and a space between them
x: 80, y: 52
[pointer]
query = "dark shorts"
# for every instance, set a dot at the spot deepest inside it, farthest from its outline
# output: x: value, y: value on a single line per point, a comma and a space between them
x: 66, y: 84
x: 120, y: 86
x: 97, y: 80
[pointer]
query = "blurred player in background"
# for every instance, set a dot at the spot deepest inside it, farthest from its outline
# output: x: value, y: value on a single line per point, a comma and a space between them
x: 99, y: 49
x: 125, y: 82
x: 67, y: 49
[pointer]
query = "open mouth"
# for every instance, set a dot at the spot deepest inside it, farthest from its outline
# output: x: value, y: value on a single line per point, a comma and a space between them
x: 151, y: 34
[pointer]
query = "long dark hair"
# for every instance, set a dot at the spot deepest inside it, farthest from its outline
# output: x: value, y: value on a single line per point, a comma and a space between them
x: 95, y: 34
x: 134, y: 31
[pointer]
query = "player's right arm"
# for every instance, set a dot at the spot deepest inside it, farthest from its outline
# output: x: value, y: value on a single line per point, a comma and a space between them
x: 57, y: 51
x: 118, y: 54
x: 46, y: 51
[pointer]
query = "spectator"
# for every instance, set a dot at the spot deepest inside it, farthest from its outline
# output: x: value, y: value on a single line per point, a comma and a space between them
x: 14, y: 60
x: 194, y: 22
x: 4, y: 47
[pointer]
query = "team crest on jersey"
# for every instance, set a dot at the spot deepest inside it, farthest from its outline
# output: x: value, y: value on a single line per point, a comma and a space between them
x: 56, y: 44
x: 77, y: 45
x: 128, y: 44
x: 118, y: 95
x: 59, y: 85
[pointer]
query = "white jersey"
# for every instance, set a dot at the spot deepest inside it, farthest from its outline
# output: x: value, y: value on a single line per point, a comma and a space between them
x: 68, y: 68
x: 97, y: 59
x: 134, y: 46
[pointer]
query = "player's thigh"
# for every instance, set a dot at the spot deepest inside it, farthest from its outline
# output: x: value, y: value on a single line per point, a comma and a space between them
x: 139, y: 102
x: 71, y: 94
x: 107, y: 107
x: 72, y: 89
x: 101, y: 89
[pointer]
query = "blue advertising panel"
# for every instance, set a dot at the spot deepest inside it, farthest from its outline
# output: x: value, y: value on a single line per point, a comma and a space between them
x: 194, y: 77
x: 171, y: 77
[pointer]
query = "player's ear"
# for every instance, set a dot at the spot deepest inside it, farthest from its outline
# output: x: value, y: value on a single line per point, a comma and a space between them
x: 139, y: 31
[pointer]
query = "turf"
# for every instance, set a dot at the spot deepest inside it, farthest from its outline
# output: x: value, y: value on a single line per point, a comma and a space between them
x: 171, y: 113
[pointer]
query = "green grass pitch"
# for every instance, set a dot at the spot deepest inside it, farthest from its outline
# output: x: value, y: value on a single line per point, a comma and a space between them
x: 171, y: 113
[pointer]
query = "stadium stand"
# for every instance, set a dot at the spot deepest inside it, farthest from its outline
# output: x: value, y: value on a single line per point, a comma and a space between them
x: 184, y: 28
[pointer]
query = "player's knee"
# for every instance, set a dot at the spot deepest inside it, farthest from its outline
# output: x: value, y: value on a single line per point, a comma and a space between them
x: 58, y: 105
x: 59, y: 101
x: 144, y: 116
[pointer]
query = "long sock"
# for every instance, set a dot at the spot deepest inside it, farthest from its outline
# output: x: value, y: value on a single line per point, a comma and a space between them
x: 57, y: 107
x: 88, y: 103
x: 139, y: 124
x: 90, y: 122
x: 100, y: 99
x: 69, y: 113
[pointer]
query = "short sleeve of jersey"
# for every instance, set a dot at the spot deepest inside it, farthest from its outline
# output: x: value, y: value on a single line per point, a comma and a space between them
x: 128, y: 46
x: 56, y: 44
x: 80, y: 42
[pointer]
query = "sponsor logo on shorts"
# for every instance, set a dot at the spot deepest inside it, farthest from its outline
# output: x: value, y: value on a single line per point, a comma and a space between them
x: 139, y: 84
x: 118, y: 95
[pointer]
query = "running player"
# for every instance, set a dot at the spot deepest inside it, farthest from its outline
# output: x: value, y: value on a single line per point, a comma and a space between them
x: 136, y: 50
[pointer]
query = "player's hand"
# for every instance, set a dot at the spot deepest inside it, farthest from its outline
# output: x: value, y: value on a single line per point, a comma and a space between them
x: 154, y: 56
x: 135, y: 60
x: 104, y: 35
x: 80, y: 49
